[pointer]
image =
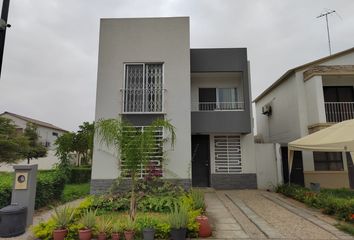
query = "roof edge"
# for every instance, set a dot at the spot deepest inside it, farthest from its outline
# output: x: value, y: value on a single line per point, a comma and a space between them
x: 291, y: 71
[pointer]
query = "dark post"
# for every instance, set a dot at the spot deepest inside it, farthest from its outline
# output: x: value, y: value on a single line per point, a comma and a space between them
x: 4, y: 14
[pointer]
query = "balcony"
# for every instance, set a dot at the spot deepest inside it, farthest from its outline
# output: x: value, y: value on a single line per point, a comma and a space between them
x: 339, y: 111
x: 217, y: 106
x: 143, y: 101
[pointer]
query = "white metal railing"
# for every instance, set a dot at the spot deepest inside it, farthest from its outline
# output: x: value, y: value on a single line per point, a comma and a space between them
x: 339, y: 111
x: 143, y: 100
x: 217, y: 106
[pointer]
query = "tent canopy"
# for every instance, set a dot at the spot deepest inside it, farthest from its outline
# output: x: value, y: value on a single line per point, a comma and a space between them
x: 337, y: 138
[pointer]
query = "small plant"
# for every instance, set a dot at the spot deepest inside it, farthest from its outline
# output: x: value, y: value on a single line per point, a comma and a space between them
x: 178, y: 218
x: 146, y: 222
x: 198, y: 199
x: 63, y: 217
x: 104, y: 225
x: 117, y: 227
x: 129, y: 225
x: 88, y: 219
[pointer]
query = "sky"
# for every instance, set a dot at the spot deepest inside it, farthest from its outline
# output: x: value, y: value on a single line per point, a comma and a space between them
x: 50, y: 59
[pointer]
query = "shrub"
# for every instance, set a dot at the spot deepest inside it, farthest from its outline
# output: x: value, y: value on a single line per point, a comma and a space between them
x: 80, y: 175
x: 50, y: 186
x: 338, y: 202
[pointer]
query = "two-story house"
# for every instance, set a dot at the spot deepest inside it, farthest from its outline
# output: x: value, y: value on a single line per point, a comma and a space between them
x: 47, y: 133
x: 146, y: 70
x: 304, y: 100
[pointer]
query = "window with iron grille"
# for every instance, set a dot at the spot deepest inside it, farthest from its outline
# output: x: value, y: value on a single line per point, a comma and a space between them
x: 154, y: 165
x: 143, y: 87
x: 227, y: 154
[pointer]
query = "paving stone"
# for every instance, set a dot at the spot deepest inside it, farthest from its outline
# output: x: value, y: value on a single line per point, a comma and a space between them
x: 230, y: 235
x: 227, y: 226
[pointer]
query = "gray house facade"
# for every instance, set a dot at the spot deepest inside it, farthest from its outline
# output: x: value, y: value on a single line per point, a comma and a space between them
x: 146, y: 70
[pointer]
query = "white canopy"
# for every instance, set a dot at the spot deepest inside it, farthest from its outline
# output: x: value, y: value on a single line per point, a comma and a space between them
x: 337, y: 138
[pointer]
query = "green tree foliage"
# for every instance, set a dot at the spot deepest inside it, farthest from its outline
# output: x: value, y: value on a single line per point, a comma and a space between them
x: 133, y: 145
x: 79, y: 143
x: 13, y: 144
x: 35, y: 148
x: 64, y: 147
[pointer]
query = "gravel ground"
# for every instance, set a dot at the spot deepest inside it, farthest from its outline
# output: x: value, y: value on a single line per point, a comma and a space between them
x: 40, y: 216
x: 288, y: 224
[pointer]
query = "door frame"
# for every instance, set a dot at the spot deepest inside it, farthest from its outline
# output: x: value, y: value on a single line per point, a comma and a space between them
x: 208, y: 159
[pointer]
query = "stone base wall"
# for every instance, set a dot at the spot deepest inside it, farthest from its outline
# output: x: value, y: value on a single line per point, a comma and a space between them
x: 234, y: 181
x: 100, y: 186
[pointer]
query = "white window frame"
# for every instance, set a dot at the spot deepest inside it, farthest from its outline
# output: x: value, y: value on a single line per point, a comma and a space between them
x: 163, y: 86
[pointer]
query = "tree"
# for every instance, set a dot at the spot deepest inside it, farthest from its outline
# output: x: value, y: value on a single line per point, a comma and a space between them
x: 35, y: 149
x: 80, y: 143
x: 83, y: 142
x: 133, y: 145
x: 13, y: 144
x: 64, y: 146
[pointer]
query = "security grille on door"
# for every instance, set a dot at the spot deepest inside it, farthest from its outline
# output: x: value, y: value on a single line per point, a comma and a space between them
x: 143, y: 90
x: 154, y: 166
x: 227, y: 154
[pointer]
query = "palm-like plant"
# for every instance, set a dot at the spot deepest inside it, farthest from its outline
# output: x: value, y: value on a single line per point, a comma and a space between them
x: 133, y: 145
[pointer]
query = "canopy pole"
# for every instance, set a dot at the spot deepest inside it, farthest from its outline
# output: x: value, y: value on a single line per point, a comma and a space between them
x: 290, y: 162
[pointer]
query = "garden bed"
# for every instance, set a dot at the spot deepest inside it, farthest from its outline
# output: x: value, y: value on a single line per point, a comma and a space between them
x: 335, y: 202
x: 155, y: 201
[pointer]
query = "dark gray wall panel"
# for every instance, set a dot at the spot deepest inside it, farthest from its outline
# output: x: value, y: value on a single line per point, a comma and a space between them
x: 142, y: 119
x: 221, y: 122
x: 219, y: 60
x: 222, y: 60
x: 234, y: 181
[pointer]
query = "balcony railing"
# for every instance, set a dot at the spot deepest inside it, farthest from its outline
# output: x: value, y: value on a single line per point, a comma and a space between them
x: 217, y: 106
x: 339, y: 111
x: 143, y: 100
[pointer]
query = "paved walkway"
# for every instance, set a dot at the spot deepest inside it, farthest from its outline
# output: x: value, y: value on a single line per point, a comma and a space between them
x: 254, y: 214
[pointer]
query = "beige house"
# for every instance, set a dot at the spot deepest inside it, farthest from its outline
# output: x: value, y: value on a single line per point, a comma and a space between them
x: 305, y: 99
x: 47, y: 132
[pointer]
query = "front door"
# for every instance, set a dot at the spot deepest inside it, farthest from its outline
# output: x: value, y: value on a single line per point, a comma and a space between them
x: 200, y: 161
x: 350, y: 170
x: 297, y: 170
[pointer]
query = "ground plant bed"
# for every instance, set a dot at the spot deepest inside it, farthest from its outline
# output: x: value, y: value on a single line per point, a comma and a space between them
x: 335, y: 202
x: 156, y: 203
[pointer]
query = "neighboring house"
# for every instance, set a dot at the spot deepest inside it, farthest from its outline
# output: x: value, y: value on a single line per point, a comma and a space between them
x: 304, y: 100
x: 47, y: 132
x: 146, y: 70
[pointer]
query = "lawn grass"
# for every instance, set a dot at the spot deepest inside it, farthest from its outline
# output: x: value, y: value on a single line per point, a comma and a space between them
x: 75, y: 191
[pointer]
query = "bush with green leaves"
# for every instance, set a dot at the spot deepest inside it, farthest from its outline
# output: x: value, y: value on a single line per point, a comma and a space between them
x: 178, y: 218
x: 63, y: 217
x: 337, y: 202
x: 50, y: 187
x: 80, y: 175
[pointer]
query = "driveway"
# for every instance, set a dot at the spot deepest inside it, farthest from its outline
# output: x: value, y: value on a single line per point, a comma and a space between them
x: 256, y: 214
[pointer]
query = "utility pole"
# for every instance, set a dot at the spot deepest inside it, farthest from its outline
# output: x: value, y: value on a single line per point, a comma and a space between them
x: 328, y: 35
x: 3, y: 27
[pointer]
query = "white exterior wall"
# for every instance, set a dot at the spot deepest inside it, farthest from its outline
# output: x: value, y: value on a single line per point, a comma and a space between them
x: 145, y: 40
x: 315, y: 100
x: 45, y: 134
x: 283, y: 125
x: 268, y: 166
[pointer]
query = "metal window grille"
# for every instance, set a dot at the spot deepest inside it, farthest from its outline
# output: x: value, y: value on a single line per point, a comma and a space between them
x: 143, y: 90
x: 227, y: 154
x: 154, y: 165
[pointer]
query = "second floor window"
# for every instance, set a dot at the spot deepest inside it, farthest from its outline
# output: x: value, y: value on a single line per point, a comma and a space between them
x: 218, y: 99
x: 143, y: 87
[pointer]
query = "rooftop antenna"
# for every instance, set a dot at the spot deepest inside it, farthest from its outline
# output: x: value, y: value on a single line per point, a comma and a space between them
x: 325, y: 14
